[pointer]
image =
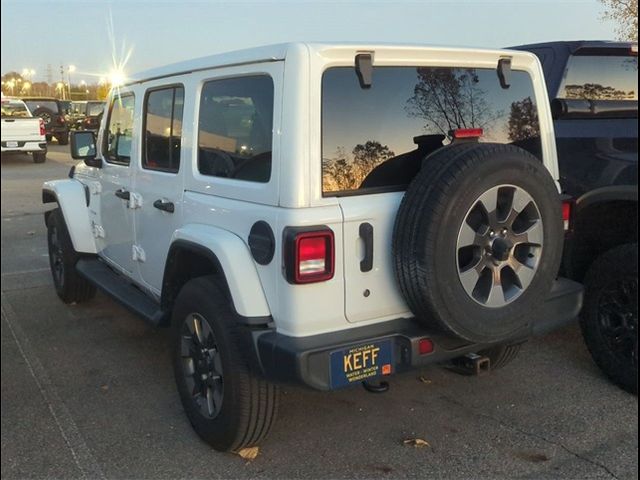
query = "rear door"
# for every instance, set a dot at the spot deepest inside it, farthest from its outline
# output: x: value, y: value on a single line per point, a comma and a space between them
x: 375, y: 140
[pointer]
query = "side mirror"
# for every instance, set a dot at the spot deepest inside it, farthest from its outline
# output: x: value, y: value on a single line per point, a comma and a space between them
x: 83, y: 147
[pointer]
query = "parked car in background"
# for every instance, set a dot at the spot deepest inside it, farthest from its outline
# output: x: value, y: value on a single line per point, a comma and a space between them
x: 593, y: 88
x: 263, y: 203
x: 86, y: 115
x: 53, y: 112
x: 21, y: 131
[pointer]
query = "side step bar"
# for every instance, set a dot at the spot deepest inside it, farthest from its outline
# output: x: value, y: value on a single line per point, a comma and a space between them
x: 117, y: 287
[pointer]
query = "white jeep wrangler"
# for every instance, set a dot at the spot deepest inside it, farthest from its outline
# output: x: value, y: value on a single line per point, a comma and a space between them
x: 326, y: 214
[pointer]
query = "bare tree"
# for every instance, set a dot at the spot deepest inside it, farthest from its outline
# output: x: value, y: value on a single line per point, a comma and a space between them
x: 625, y: 14
x: 448, y: 99
x: 341, y: 173
x: 523, y: 120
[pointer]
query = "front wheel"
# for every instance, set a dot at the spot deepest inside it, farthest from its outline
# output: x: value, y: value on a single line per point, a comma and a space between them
x: 609, y: 318
x: 70, y: 286
x: 227, y: 404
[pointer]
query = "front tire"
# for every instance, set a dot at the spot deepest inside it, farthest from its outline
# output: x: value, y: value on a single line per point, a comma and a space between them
x: 227, y: 404
x: 70, y: 286
x: 609, y: 318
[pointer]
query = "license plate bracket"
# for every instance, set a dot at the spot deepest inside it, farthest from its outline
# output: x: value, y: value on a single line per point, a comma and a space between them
x: 365, y: 361
x: 12, y: 144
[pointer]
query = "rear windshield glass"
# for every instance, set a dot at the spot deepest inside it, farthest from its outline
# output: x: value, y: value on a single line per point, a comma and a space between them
x: 37, y: 106
x: 597, y: 77
x: 14, y: 110
x: 94, y: 109
x: 376, y: 139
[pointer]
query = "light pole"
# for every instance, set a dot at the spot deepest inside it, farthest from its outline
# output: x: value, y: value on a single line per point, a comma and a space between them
x: 70, y: 70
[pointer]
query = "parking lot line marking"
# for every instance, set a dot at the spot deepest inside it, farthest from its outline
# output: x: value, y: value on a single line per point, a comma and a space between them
x: 25, y: 272
x: 80, y: 452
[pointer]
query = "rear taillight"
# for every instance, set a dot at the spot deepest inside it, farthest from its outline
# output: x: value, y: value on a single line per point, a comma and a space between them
x: 43, y: 130
x: 568, y: 205
x: 309, y: 254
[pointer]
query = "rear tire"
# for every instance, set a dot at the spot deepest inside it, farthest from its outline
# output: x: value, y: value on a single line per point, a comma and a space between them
x: 69, y: 285
x: 609, y: 317
x: 227, y: 404
x: 63, y: 139
x: 39, y: 157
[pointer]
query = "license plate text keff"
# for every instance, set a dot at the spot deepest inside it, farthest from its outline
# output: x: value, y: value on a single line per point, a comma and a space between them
x: 361, y: 362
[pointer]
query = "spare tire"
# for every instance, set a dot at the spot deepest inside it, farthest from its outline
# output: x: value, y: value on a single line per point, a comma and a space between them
x: 478, y: 240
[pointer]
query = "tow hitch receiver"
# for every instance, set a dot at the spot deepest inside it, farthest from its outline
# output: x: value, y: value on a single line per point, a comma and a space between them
x: 471, y: 364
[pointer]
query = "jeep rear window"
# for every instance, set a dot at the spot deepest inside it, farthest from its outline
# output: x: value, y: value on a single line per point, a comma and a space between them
x: 37, y: 105
x: 600, y: 77
x: 235, y: 128
x: 375, y: 139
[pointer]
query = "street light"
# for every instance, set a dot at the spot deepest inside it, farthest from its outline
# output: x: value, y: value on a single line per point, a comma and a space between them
x: 70, y: 70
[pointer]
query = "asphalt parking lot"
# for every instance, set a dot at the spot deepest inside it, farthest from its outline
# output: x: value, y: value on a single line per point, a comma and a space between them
x: 88, y: 392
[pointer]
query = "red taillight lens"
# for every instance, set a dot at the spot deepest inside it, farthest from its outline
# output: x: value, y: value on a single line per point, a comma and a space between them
x: 567, y: 212
x: 309, y: 255
x: 61, y: 119
x: 425, y: 346
x: 43, y: 130
x: 468, y: 133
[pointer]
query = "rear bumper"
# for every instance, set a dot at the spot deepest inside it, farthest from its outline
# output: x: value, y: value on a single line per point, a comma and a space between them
x: 306, y: 360
x: 40, y: 146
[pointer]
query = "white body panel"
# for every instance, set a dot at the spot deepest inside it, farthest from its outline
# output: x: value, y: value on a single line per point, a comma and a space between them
x: 218, y: 213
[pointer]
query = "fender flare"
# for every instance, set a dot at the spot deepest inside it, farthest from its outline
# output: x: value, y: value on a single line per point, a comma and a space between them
x: 233, y: 259
x: 72, y: 198
x: 627, y: 193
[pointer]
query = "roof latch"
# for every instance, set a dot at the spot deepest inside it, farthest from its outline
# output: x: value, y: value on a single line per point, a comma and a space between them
x: 364, y: 69
x: 504, y: 72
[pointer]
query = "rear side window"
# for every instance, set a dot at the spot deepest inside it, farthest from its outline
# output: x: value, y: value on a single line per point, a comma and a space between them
x: 235, y: 128
x: 117, y: 137
x: 163, y: 129
x: 376, y: 139
x: 595, y: 77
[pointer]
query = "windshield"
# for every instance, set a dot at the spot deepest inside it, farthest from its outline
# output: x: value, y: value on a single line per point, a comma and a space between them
x: 14, y: 110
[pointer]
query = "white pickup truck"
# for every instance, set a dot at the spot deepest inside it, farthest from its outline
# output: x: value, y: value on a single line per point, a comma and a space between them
x: 21, y: 132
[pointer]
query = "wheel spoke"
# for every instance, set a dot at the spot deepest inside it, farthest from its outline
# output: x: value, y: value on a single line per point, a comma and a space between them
x: 496, y: 294
x: 489, y: 201
x: 468, y: 236
x: 534, y: 235
x: 523, y: 272
x: 210, y: 402
x: 470, y: 277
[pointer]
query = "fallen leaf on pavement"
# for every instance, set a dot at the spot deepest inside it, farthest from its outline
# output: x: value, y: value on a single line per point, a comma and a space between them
x: 425, y: 380
x: 249, y: 453
x: 416, y: 442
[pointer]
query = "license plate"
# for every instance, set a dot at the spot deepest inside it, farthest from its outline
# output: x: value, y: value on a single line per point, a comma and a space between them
x: 12, y: 144
x: 361, y: 362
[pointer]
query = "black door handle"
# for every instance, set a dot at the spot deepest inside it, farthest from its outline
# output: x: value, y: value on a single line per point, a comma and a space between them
x: 366, y: 234
x: 123, y: 194
x: 164, y: 205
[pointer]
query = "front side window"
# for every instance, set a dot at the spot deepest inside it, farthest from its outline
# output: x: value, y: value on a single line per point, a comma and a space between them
x: 376, y: 139
x: 119, y: 132
x: 163, y: 129
x: 235, y: 128
x: 600, y: 77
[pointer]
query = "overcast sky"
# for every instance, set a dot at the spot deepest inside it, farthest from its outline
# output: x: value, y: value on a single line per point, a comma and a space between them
x: 37, y: 33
